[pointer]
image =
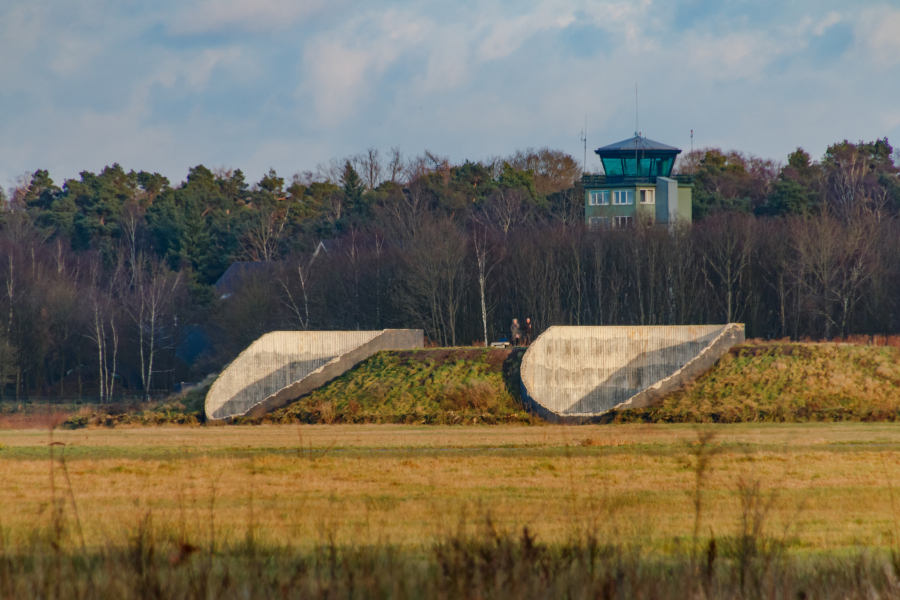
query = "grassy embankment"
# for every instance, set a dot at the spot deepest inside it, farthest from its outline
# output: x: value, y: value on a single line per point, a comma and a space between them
x: 757, y: 381
x: 787, y: 382
x: 344, y: 511
x: 775, y: 382
x: 435, y: 387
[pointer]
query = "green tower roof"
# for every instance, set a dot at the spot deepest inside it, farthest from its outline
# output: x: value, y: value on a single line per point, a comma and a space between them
x: 638, y: 157
x: 637, y: 143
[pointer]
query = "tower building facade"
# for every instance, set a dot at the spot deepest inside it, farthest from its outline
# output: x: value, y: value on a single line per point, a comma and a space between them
x: 637, y: 187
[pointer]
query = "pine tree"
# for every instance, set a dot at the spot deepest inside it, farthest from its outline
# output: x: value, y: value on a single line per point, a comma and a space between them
x: 353, y: 191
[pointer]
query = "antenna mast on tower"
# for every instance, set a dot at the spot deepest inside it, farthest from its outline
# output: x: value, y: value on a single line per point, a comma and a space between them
x: 637, y: 122
x: 584, y: 140
x: 637, y: 131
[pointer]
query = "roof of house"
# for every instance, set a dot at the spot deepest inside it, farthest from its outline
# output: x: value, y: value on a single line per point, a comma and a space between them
x: 637, y: 143
x: 328, y: 246
x: 231, y: 278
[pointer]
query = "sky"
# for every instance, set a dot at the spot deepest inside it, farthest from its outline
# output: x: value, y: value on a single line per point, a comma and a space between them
x: 288, y: 84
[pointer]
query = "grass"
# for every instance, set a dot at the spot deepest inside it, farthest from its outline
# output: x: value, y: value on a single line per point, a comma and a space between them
x: 754, y: 382
x: 438, y: 386
x: 342, y: 511
x: 185, y: 409
x: 787, y: 382
x: 367, y: 483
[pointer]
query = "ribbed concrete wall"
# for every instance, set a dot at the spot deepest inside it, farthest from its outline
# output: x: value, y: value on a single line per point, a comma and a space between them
x: 271, y: 371
x: 571, y: 373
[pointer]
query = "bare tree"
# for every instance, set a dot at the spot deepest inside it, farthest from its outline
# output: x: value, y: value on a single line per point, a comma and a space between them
x: 370, y: 168
x: 304, y: 178
x: 776, y: 258
x: 102, y: 329
x: 263, y: 236
x: 537, y: 275
x: 833, y: 267
x: 331, y: 171
x: 298, y: 304
x: 9, y: 360
x: 567, y: 207
x: 18, y: 191
x: 486, y: 260
x: 152, y: 298
x: 404, y: 211
x: 334, y: 208
x: 395, y: 165
x: 726, y: 245
x: 131, y: 222
x: 434, y: 269
x: 507, y: 208
x: 553, y: 170
x: 688, y: 163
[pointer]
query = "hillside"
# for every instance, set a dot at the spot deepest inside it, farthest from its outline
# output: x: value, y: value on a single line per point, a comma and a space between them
x: 440, y: 386
x: 774, y: 382
x: 786, y: 382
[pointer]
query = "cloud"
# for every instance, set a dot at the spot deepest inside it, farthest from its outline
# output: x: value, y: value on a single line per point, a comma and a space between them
x: 287, y: 83
x: 257, y: 16
x: 832, y: 18
x: 194, y: 71
x: 733, y: 56
x: 340, y: 67
x: 879, y: 31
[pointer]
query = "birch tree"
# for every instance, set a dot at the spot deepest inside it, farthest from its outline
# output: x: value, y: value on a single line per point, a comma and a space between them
x: 102, y: 327
x: 485, y: 260
x: 150, y: 307
x: 298, y: 302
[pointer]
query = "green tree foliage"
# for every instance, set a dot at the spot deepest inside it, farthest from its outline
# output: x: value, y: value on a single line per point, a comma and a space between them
x: 41, y: 191
x: 720, y: 185
x: 800, y: 161
x: 474, y: 180
x: 512, y: 178
x: 813, y: 251
x: 794, y: 192
x: 272, y: 185
x: 354, y: 192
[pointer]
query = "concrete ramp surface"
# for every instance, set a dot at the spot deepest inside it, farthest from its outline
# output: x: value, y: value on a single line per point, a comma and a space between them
x: 570, y: 374
x: 281, y: 366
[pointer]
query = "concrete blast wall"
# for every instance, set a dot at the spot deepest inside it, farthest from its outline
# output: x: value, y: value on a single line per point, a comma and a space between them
x: 570, y: 374
x: 283, y: 365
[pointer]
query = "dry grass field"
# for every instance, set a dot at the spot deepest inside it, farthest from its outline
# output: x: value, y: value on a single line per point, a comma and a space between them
x: 816, y: 487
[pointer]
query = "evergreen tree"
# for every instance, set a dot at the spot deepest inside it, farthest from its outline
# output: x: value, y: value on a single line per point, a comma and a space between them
x: 41, y: 191
x: 353, y: 192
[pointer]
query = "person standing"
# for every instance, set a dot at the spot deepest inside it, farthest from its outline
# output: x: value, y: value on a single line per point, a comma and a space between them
x: 527, y: 332
x: 516, y: 332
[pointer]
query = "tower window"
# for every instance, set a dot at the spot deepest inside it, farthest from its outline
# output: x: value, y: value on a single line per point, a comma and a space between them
x: 648, y: 196
x: 623, y: 197
x: 598, y: 198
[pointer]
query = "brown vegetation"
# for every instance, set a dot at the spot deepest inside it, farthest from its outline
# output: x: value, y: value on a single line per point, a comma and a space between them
x: 628, y: 511
x: 105, y: 277
x: 434, y: 386
x: 789, y: 382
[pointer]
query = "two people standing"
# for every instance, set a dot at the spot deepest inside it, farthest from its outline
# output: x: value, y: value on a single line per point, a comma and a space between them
x: 521, y: 334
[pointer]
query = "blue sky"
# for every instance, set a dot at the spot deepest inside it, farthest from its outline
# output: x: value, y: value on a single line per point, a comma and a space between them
x: 287, y: 84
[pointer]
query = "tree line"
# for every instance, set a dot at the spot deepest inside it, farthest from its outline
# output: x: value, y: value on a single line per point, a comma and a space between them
x: 108, y: 279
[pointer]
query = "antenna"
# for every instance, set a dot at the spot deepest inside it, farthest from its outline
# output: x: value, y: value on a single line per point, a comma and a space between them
x: 584, y: 139
x: 637, y: 132
x: 692, y: 141
x: 637, y: 113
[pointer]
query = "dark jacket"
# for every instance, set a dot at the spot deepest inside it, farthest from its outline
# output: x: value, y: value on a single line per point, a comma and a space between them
x: 526, y: 327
